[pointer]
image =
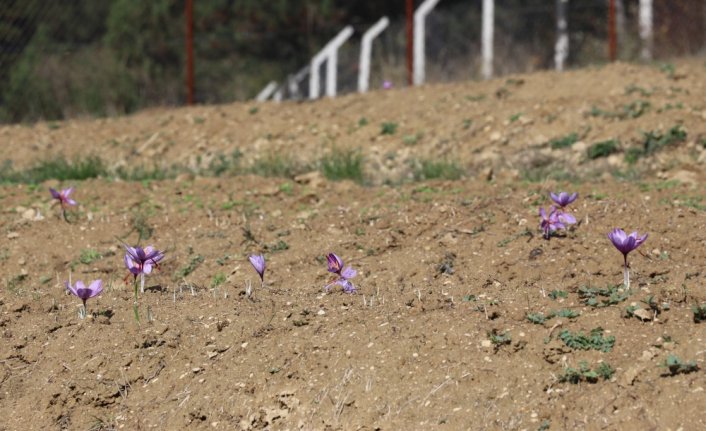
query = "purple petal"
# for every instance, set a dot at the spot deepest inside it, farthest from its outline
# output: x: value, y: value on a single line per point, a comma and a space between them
x: 543, y: 213
x: 348, y: 287
x: 335, y: 264
x: 567, y: 218
x: 67, y: 192
x: 71, y: 202
x: 258, y: 262
x: 54, y: 193
x: 147, y: 267
x: 348, y: 273
x: 96, y: 287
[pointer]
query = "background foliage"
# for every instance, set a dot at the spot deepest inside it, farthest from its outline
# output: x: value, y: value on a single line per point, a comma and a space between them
x: 66, y: 58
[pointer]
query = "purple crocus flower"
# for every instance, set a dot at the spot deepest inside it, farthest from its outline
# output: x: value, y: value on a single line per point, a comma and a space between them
x: 335, y: 265
x: 140, y: 261
x: 386, y: 84
x: 64, y: 200
x: 258, y: 262
x: 85, y: 293
x: 563, y: 198
x: 625, y: 244
x: 551, y: 222
x: 63, y: 196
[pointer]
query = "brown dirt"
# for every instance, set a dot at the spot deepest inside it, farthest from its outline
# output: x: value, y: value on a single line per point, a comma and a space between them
x: 442, y: 265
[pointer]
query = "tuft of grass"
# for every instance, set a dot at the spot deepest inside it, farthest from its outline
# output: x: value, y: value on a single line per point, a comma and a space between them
x: 564, y: 142
x: 88, y: 256
x: 602, y: 149
x: 343, y: 165
x: 80, y: 168
x: 410, y: 140
x: 194, y: 263
x: 430, y: 169
x: 217, y: 280
x: 276, y: 166
x: 655, y: 141
x: 595, y: 340
x: 388, y: 128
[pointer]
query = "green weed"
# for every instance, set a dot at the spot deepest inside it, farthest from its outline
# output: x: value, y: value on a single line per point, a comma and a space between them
x: 343, y: 165
x: 184, y: 271
x: 429, y: 170
x: 699, y: 313
x: 598, y: 297
x: 584, y: 373
x: 564, y: 142
x: 388, y: 128
x: 89, y: 256
x: 595, y: 340
x: 676, y: 366
x: 602, y: 149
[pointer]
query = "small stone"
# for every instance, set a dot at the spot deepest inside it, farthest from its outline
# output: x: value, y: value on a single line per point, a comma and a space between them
x: 13, y: 235
x: 486, y: 344
x: 321, y: 312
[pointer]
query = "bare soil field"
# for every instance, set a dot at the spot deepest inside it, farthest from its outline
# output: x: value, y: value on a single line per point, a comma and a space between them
x: 465, y: 316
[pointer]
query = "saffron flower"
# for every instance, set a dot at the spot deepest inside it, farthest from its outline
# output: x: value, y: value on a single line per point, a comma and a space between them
x: 80, y: 290
x: 563, y: 198
x: 386, y: 84
x: 625, y: 244
x: 551, y: 222
x: 140, y: 261
x: 63, y: 198
x: 258, y: 262
x: 335, y: 265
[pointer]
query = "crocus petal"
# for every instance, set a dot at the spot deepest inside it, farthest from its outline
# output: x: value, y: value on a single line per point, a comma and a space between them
x: 348, y: 287
x: 543, y: 213
x: 71, y: 202
x: 67, y: 192
x: 96, y: 287
x: 54, y: 193
x: 567, y: 218
x: 147, y: 268
x: 71, y: 288
x: 348, y: 273
x: 335, y: 264
x: 258, y: 262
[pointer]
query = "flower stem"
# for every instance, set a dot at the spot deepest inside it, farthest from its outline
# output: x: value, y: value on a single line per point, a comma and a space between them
x: 142, y: 282
x: 626, y: 274
x: 135, y: 304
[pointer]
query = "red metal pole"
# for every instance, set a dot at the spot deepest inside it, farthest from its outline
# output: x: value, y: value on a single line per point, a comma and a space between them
x: 410, y: 39
x: 189, y: 12
x: 612, y: 34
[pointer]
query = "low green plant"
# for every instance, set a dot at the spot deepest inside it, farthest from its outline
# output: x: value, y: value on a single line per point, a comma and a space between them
x: 564, y: 141
x: 595, y: 340
x: 585, y: 373
x: 343, y: 165
x: 59, y: 168
x: 676, y: 366
x: 556, y: 294
x: 89, y: 256
x: 430, y: 170
x: 217, y: 280
x: 602, y: 149
x: 388, y: 128
x: 499, y: 339
x: 602, y: 297
x: 276, y: 166
x: 699, y: 313
x: 184, y: 271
